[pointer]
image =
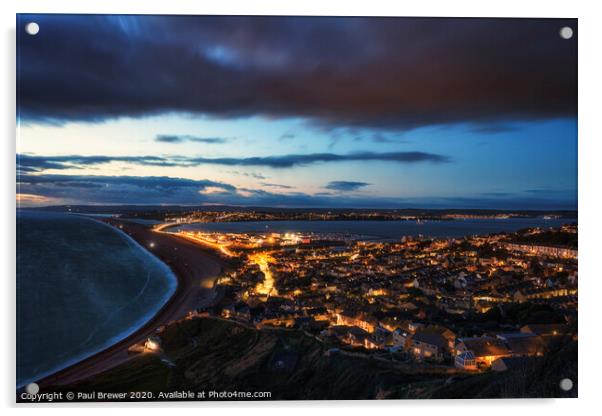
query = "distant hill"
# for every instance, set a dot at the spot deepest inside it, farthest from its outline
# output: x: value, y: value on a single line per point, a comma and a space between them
x: 154, y: 210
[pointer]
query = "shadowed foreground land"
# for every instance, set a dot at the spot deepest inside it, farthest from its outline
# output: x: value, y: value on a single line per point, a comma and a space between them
x: 212, y: 354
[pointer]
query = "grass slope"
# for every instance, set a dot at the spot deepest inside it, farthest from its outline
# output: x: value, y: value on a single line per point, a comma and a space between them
x: 212, y: 354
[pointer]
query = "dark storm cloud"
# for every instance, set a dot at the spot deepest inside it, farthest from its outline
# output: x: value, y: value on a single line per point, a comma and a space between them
x: 118, y: 189
x: 173, y: 138
x: 83, y: 189
x: 288, y: 161
x: 26, y: 163
x: 39, y: 163
x: 150, y: 182
x: 372, y: 72
x: 346, y: 185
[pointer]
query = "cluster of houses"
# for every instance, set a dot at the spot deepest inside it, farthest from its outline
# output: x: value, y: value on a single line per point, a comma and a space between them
x: 438, y: 344
x: 386, y: 296
x: 413, y: 340
x: 539, y: 250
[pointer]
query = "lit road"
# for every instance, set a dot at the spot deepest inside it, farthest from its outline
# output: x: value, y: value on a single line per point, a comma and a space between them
x: 263, y: 261
x: 222, y: 247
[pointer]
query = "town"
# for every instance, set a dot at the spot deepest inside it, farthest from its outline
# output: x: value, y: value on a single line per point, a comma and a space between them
x: 229, y: 214
x: 475, y: 303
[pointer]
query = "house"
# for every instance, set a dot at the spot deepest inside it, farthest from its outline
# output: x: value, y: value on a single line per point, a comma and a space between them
x: 448, y: 334
x: 484, y: 349
x: 428, y: 345
x: 466, y: 361
x: 399, y: 338
x: 353, y: 336
x: 348, y: 318
x: 359, y: 338
x: 381, y: 335
x: 391, y: 323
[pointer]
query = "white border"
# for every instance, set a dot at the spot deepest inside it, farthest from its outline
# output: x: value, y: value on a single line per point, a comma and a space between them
x: 590, y: 137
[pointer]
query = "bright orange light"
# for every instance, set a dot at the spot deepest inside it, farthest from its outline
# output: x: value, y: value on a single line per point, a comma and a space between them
x: 267, y: 286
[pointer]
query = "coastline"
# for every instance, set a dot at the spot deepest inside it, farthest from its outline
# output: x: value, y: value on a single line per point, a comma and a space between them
x: 171, y: 277
x: 190, y: 264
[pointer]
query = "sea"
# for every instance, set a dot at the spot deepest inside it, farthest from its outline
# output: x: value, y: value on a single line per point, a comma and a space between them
x: 382, y: 230
x: 82, y: 286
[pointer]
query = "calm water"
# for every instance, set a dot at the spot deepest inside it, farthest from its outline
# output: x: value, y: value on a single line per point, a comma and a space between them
x: 81, y: 286
x: 382, y: 229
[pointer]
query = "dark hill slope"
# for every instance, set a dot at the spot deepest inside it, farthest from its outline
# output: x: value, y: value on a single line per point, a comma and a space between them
x: 212, y: 354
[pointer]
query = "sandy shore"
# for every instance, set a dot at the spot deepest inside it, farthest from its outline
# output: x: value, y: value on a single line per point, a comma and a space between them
x: 191, y: 265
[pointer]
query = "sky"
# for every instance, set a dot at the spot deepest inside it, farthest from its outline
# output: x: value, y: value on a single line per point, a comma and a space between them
x: 297, y: 112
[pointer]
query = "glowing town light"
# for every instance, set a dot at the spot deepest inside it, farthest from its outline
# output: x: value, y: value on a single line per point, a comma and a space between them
x: 152, y: 345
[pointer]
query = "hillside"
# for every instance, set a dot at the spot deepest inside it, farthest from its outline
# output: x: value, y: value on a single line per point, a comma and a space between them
x: 212, y: 354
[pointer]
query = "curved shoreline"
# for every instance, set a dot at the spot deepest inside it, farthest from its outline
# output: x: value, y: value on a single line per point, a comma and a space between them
x: 189, y: 264
x: 134, y: 327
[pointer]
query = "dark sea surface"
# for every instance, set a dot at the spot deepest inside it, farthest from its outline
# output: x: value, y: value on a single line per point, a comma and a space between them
x: 81, y: 287
x: 382, y: 229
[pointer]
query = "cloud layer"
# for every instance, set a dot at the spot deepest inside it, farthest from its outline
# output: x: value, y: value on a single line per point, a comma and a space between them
x: 346, y: 185
x: 118, y: 189
x: 30, y: 163
x: 174, y: 138
x: 394, y: 73
x: 356, y: 77
x: 82, y: 189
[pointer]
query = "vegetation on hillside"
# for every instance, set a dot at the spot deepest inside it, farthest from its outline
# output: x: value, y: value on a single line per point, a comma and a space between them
x: 212, y: 354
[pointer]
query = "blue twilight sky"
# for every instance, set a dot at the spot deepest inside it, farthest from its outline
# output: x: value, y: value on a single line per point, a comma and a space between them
x: 297, y: 112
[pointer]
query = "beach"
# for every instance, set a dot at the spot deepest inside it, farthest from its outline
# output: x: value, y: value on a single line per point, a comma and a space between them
x: 190, y: 264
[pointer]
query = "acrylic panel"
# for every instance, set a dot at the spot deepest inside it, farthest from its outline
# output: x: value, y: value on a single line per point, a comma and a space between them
x: 295, y: 208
